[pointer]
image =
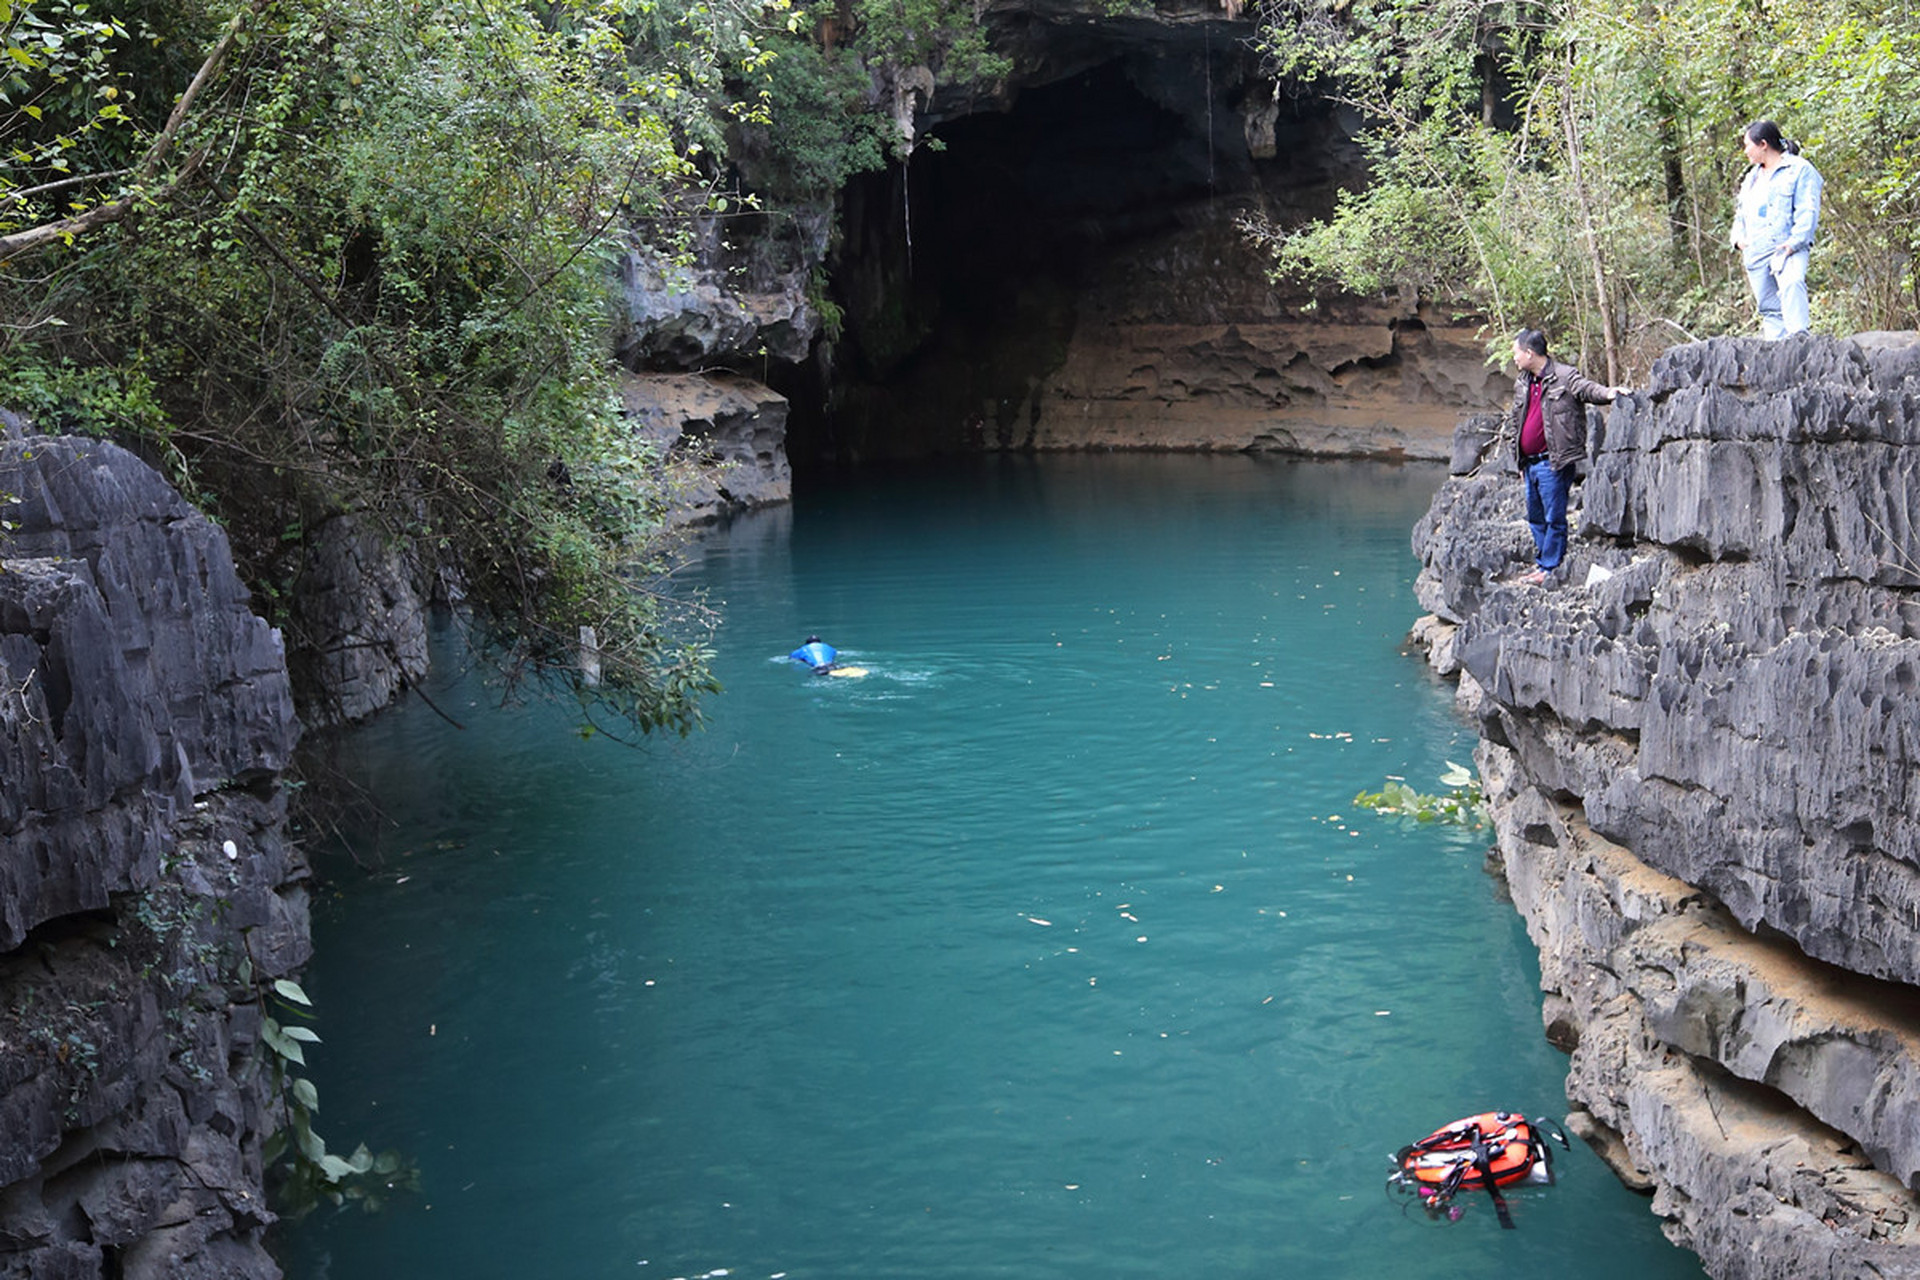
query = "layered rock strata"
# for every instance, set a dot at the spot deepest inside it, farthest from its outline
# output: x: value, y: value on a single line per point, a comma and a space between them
x: 687, y: 331
x: 1183, y: 344
x: 1701, y: 750
x: 147, y: 887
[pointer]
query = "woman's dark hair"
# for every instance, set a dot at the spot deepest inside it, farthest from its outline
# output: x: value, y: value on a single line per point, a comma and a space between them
x: 1533, y: 340
x: 1767, y: 133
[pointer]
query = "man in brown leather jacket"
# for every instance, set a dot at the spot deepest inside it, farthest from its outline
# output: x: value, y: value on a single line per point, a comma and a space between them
x: 1549, y: 424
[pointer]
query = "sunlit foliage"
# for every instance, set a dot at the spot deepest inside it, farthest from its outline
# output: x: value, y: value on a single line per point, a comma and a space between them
x: 1571, y: 165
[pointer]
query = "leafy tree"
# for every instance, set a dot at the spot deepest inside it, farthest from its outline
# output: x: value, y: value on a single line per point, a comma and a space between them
x: 368, y: 273
x: 817, y: 128
x: 1571, y: 164
x: 948, y: 37
x: 353, y: 257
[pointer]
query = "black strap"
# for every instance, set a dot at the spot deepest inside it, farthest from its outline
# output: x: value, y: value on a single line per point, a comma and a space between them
x: 1483, y: 1161
x: 1454, y: 1137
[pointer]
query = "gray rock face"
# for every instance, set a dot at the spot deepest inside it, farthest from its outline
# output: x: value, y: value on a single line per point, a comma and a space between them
x: 741, y: 294
x: 1702, y: 752
x: 361, y: 619
x: 681, y: 317
x: 145, y: 714
x: 726, y: 434
x: 739, y: 301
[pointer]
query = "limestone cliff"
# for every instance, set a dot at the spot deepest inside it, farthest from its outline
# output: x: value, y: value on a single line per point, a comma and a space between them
x: 145, y: 719
x: 1182, y: 343
x: 1702, y: 753
x: 689, y: 331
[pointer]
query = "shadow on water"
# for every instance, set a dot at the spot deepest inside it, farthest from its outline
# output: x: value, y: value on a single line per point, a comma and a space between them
x: 1053, y: 946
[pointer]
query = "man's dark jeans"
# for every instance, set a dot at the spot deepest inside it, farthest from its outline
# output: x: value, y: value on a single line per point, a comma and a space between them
x: 1547, y: 487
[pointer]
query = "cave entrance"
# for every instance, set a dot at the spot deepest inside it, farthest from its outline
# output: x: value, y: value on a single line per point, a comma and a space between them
x: 960, y: 275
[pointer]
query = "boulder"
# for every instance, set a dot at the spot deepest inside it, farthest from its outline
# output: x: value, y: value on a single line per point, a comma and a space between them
x: 723, y: 434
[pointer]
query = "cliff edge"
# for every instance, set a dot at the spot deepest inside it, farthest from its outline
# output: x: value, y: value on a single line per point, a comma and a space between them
x: 147, y: 887
x: 1703, y: 758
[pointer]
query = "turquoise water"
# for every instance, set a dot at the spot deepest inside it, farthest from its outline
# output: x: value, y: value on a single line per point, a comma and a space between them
x: 1052, y: 947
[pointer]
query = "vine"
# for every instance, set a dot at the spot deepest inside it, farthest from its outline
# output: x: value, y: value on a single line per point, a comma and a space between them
x: 309, y: 1173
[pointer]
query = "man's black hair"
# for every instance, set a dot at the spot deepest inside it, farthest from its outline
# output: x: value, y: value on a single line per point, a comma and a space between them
x: 1533, y: 340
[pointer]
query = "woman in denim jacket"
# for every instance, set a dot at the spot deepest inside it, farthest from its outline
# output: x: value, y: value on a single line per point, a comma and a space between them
x: 1773, y: 225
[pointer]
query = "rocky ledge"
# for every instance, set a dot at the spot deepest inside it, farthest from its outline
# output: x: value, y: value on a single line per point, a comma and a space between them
x: 147, y: 888
x: 1702, y: 751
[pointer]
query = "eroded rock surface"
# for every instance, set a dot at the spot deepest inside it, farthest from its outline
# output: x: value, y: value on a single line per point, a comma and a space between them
x: 726, y: 434
x: 1701, y: 752
x: 1183, y: 344
x: 742, y: 297
x: 145, y: 717
x: 359, y: 613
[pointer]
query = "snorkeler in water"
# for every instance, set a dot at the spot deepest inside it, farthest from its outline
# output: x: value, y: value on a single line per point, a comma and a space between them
x: 816, y: 654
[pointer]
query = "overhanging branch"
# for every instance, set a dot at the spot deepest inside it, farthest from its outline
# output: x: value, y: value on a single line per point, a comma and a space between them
x: 66, y: 229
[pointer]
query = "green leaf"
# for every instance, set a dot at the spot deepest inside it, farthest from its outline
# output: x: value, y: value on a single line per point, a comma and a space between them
x: 310, y: 1143
x: 304, y: 1093
x: 278, y: 1041
x: 291, y: 990
x: 301, y: 1033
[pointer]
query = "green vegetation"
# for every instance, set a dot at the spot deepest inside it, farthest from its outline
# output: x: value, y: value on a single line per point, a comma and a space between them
x: 948, y: 37
x: 1462, y: 804
x: 354, y: 258
x: 308, y: 1174
x: 361, y: 268
x: 1571, y: 164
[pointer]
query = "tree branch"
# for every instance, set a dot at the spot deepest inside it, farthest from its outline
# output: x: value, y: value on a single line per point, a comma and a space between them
x: 66, y: 229
x: 77, y: 180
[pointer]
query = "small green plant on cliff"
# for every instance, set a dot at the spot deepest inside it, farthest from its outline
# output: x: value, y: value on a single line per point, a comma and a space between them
x: 308, y: 1173
x: 1462, y: 803
x: 73, y: 1053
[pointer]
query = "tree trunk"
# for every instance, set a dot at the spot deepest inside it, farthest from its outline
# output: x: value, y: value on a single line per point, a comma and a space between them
x: 1602, y: 297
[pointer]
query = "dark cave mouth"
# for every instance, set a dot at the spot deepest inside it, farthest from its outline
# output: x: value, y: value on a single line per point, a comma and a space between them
x: 958, y: 274
x: 961, y: 276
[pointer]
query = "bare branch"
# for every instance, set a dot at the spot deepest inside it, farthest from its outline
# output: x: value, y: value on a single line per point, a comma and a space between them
x: 47, y: 188
x: 66, y: 229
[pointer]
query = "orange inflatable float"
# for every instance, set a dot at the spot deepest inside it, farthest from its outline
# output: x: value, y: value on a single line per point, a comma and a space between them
x: 1486, y: 1152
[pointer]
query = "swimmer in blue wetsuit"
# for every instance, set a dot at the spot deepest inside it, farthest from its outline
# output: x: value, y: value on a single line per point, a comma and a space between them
x: 817, y: 654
